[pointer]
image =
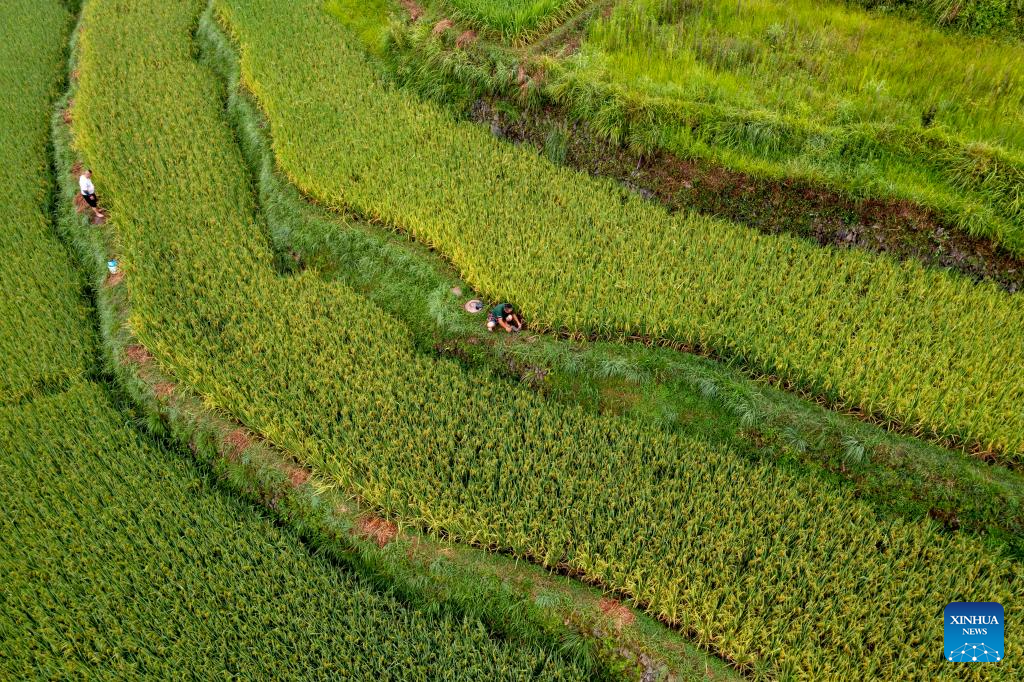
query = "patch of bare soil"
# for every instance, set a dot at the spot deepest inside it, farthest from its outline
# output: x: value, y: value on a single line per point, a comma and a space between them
x: 137, y: 354
x: 164, y: 389
x: 570, y: 48
x: 377, y: 529
x: 237, y: 441
x: 442, y: 26
x: 618, y: 397
x: 66, y: 114
x: 466, y: 39
x: 414, y: 10
x: 621, y: 615
x: 297, y: 476
x: 115, y: 279
x: 901, y: 229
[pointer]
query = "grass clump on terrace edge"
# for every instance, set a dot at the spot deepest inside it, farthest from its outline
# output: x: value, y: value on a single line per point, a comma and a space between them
x: 317, y: 369
x: 511, y: 19
x: 1004, y: 18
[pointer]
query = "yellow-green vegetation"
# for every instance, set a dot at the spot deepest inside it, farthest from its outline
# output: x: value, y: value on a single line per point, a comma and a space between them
x: 874, y: 105
x: 47, y: 341
x: 121, y: 561
x: 511, y: 19
x: 815, y: 61
x: 997, y: 17
x: 781, y: 574
x: 661, y: 387
x: 933, y: 352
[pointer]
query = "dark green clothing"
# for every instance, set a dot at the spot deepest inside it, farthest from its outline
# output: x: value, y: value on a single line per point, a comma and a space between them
x: 498, y: 311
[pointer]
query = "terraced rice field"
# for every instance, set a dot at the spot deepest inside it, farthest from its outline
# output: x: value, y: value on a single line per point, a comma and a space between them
x: 917, y: 347
x: 320, y: 371
x: 781, y: 572
x: 48, y: 339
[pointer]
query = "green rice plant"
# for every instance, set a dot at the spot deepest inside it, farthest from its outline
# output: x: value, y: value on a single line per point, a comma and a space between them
x: 876, y: 106
x: 45, y: 339
x: 919, y: 348
x: 122, y: 561
x: 781, y: 574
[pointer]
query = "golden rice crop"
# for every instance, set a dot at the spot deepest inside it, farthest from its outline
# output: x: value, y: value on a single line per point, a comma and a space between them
x: 934, y: 352
x: 766, y: 568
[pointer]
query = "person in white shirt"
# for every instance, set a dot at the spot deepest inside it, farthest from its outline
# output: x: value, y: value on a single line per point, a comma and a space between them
x: 89, y: 192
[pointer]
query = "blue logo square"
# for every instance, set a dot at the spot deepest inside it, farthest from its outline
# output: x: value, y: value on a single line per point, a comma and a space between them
x: 973, y: 632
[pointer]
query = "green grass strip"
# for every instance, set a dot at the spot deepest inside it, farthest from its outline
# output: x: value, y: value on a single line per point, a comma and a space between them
x: 1003, y: 18
x: 872, y: 105
x: 513, y: 20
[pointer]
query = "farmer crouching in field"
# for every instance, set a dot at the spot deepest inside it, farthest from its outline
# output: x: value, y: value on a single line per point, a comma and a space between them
x: 89, y: 192
x: 505, y: 316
